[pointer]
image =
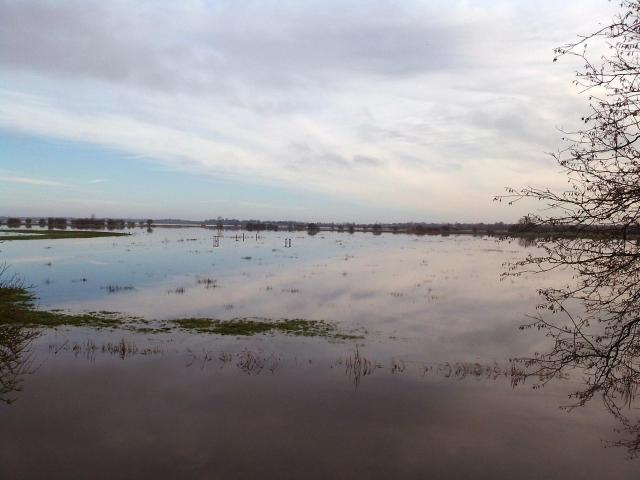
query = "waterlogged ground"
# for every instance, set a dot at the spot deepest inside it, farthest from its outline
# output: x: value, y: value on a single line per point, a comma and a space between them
x: 415, y: 385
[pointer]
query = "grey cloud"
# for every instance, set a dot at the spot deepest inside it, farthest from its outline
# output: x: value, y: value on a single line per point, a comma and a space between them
x: 304, y: 156
x: 333, y: 159
x: 300, y: 147
x: 90, y: 39
x: 367, y: 161
x: 169, y: 48
x: 307, y: 159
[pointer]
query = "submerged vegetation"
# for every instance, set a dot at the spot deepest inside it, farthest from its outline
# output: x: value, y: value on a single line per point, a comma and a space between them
x: 253, y: 326
x: 17, y: 307
x: 117, y: 288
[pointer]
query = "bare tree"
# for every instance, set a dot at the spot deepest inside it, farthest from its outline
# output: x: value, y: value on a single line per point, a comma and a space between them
x: 592, y: 228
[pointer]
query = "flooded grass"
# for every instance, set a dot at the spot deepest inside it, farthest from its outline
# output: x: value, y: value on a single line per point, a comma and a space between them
x: 17, y: 306
x: 207, y: 282
x: 117, y: 288
x: 290, y: 290
x: 90, y: 349
x: 255, y: 326
x: 358, y: 366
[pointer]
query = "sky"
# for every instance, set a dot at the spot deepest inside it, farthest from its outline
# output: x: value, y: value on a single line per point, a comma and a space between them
x: 366, y: 111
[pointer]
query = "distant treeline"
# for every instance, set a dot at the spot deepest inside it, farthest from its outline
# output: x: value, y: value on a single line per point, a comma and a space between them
x: 93, y: 223
x: 260, y: 226
x: 61, y: 223
x: 528, y: 228
x: 525, y: 227
x: 498, y: 228
x: 520, y: 229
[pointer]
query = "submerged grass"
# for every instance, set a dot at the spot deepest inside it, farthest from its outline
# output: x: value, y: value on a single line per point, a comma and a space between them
x: 256, y: 326
x: 17, y: 307
x: 55, y: 234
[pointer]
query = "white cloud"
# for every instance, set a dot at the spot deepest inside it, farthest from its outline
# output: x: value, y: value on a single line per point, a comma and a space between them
x: 38, y: 182
x: 431, y: 107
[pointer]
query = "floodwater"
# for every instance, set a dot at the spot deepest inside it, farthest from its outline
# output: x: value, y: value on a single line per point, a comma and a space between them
x: 425, y: 391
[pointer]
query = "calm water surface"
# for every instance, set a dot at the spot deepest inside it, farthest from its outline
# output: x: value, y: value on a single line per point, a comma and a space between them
x: 432, y: 401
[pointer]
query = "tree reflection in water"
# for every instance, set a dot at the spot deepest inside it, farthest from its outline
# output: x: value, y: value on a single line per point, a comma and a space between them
x: 16, y: 359
x: 593, y: 322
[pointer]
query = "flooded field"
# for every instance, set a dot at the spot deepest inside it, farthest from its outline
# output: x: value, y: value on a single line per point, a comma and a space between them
x: 351, y: 356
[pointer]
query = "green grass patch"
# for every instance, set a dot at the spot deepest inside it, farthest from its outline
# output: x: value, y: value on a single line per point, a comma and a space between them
x: 55, y: 234
x: 256, y: 326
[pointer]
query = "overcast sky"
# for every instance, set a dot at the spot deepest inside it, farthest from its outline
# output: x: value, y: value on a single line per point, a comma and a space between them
x: 310, y: 110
